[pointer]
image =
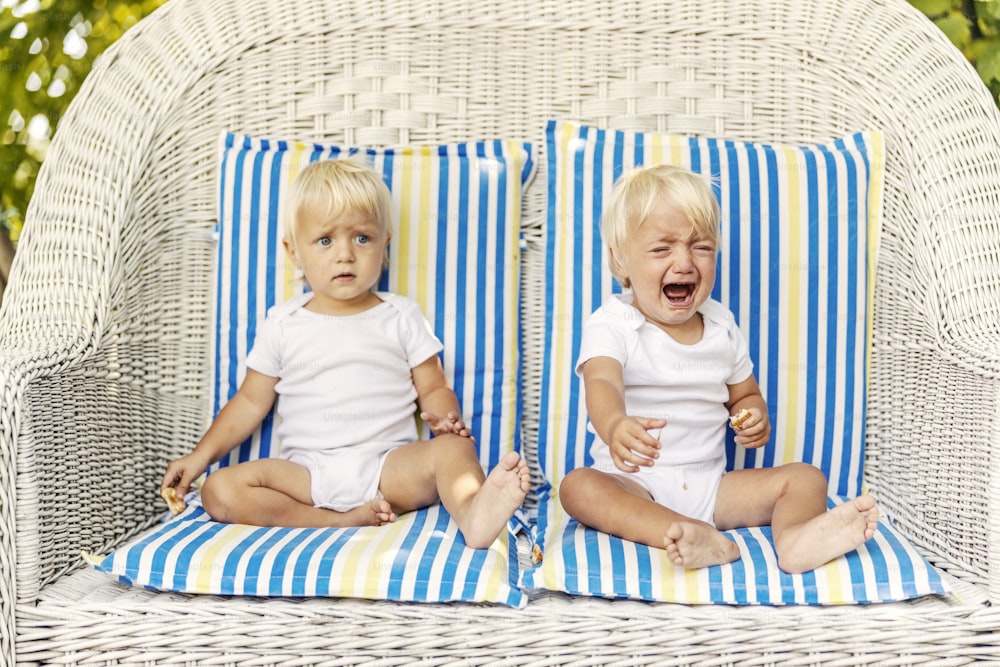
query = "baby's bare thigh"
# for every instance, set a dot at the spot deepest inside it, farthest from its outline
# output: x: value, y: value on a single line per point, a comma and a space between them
x: 590, y: 483
x: 628, y: 485
x: 408, y: 479
x: 290, y: 478
x: 419, y: 474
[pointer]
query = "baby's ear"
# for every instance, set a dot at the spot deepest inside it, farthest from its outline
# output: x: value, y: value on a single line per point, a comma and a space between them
x: 385, y: 253
x: 617, y: 270
x: 290, y: 249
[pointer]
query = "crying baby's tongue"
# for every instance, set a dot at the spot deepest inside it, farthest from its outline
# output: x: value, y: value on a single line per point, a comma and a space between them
x: 677, y: 292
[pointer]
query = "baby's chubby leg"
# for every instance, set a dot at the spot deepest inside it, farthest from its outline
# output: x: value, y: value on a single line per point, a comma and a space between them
x: 614, y: 504
x: 844, y: 528
x: 792, y: 500
x: 276, y: 492
x: 447, y: 469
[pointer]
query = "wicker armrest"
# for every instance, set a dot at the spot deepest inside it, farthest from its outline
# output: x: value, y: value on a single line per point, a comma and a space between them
x: 103, y: 383
x: 83, y: 440
x: 935, y: 361
x: 90, y: 454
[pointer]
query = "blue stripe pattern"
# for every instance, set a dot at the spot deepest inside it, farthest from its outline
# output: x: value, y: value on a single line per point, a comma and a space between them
x: 791, y: 268
x: 428, y: 561
x: 886, y: 569
x: 469, y: 291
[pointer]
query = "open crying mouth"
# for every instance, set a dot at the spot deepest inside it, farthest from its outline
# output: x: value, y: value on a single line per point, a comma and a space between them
x: 678, y: 294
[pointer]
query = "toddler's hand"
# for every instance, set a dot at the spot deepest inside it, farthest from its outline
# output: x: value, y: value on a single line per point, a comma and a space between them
x: 755, y: 430
x: 632, y: 445
x: 450, y: 423
x: 182, y: 472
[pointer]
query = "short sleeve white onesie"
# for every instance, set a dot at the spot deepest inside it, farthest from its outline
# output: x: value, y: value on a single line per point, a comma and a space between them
x: 687, y: 385
x: 345, y: 389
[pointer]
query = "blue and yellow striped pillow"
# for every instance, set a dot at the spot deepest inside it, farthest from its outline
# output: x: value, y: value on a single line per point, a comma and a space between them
x: 799, y: 232
x: 456, y: 251
x: 583, y: 561
x: 419, y: 558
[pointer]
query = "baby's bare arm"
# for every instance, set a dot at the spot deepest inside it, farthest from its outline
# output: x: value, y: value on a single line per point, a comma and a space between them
x: 437, y: 401
x: 627, y: 436
x: 234, y: 424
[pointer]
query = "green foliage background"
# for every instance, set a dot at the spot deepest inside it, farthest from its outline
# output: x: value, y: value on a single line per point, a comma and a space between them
x: 47, y: 48
x: 974, y: 27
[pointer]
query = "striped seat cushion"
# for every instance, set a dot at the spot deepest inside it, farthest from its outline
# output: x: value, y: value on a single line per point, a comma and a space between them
x: 799, y: 232
x: 455, y: 250
x: 584, y: 561
x: 420, y: 557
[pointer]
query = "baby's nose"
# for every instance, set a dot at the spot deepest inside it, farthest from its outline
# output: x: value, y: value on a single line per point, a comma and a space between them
x: 683, y: 260
x: 345, y: 253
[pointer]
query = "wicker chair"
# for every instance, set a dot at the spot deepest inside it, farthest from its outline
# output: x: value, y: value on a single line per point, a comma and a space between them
x: 104, y: 328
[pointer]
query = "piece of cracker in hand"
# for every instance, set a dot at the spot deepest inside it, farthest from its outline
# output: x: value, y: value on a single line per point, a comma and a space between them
x: 175, y: 503
x: 740, y: 418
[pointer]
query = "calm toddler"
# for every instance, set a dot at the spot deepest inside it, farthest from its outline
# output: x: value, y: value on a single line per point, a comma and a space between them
x: 348, y: 367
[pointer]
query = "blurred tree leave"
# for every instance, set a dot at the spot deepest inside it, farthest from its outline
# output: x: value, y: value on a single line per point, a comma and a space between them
x: 974, y: 27
x: 932, y: 7
x: 985, y: 48
x: 47, y: 48
x: 958, y: 28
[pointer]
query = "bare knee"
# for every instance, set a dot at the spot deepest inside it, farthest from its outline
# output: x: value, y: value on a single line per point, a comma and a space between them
x: 805, y: 476
x: 219, y: 495
x: 449, y: 448
x: 456, y: 444
x: 574, y: 490
x: 811, y: 476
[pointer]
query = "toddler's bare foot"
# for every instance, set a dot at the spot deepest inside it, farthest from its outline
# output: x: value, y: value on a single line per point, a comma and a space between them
x: 692, y: 545
x: 376, y: 512
x: 493, y: 505
x: 834, y: 533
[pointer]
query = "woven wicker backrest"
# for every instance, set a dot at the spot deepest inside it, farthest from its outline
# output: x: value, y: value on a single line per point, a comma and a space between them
x: 128, y: 194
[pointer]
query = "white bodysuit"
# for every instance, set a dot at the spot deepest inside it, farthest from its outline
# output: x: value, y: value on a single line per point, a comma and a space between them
x: 687, y: 385
x: 345, y: 390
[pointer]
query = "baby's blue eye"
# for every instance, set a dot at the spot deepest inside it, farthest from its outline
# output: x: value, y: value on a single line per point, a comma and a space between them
x: 363, y: 239
x: 324, y: 241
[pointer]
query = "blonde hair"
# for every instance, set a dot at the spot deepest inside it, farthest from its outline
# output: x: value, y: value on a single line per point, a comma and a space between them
x: 637, y: 193
x: 336, y: 186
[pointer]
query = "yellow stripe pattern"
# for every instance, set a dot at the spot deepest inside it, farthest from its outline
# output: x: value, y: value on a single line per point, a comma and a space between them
x: 455, y: 250
x: 582, y: 561
x: 795, y: 229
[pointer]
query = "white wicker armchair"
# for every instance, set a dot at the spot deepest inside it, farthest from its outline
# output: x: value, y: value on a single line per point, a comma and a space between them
x: 104, y: 331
